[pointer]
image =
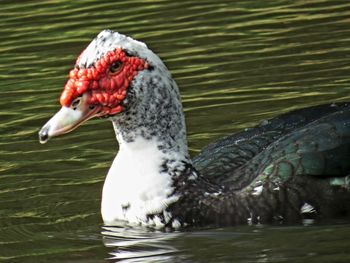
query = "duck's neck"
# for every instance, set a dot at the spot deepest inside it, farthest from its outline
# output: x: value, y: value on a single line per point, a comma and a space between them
x: 152, y: 154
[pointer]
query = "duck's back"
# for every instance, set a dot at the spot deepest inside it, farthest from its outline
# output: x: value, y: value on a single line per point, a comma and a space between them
x: 312, y: 141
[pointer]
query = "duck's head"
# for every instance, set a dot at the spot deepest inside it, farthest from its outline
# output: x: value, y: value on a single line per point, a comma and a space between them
x: 108, y: 79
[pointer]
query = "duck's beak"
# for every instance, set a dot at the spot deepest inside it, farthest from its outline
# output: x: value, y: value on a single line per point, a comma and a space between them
x: 68, y: 118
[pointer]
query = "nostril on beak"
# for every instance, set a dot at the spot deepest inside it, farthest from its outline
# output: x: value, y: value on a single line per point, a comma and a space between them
x: 44, y: 135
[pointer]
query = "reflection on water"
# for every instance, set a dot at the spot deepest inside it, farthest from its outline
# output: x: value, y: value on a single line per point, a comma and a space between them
x: 236, y: 63
x: 140, y: 245
x: 327, y: 243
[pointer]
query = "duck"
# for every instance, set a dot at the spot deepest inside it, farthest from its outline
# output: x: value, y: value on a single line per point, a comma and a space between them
x: 284, y: 170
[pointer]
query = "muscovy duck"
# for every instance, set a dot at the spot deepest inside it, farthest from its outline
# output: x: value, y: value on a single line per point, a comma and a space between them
x: 294, y: 165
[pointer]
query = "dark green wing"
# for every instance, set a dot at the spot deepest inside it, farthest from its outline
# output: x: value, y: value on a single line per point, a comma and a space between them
x: 320, y: 149
x: 311, y: 141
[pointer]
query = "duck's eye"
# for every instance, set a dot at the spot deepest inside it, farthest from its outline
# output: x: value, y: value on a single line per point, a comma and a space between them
x: 115, y: 67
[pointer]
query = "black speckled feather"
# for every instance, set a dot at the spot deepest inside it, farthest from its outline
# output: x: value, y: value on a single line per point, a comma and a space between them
x: 268, y: 173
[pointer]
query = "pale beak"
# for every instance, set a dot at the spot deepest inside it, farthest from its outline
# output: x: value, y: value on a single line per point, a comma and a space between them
x: 67, y: 119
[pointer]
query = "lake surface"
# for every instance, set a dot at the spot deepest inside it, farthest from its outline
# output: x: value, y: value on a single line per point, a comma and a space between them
x: 236, y: 63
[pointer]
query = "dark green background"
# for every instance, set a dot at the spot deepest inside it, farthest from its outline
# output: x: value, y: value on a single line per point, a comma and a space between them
x: 236, y: 63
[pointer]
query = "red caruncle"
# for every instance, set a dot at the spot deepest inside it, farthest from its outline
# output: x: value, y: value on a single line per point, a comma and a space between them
x: 106, y: 81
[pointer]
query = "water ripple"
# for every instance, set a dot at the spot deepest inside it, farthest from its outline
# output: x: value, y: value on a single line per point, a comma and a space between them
x: 236, y: 63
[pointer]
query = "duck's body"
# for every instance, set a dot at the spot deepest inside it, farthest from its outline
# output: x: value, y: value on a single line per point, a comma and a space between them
x: 283, y: 170
x: 290, y: 166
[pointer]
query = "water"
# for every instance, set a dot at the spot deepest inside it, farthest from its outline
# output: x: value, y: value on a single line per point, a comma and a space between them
x: 236, y: 62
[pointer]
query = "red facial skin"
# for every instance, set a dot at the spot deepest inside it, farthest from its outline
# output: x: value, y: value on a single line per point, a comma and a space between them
x: 106, y: 82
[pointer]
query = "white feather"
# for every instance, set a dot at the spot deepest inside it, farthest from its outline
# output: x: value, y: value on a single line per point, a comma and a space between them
x: 257, y: 190
x: 307, y: 209
x: 135, y: 181
x: 108, y: 40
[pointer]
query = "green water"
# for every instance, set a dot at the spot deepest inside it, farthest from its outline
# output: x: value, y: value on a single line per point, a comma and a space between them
x: 236, y: 63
